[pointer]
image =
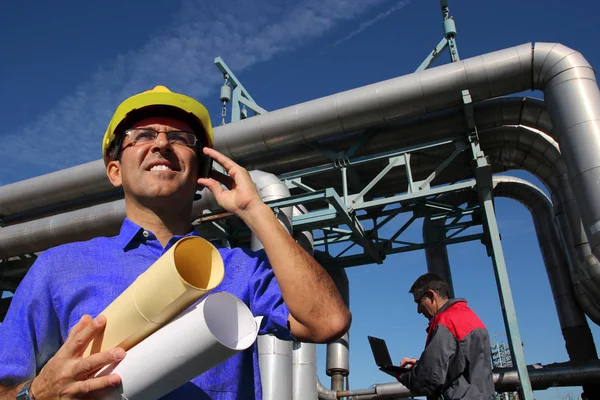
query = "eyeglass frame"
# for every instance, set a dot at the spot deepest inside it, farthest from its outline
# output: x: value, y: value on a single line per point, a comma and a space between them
x: 133, y: 142
x: 418, y: 301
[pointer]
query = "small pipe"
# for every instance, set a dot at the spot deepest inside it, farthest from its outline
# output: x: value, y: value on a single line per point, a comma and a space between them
x: 505, y: 380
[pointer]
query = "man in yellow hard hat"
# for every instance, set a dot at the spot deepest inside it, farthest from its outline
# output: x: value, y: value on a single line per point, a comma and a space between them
x: 159, y: 147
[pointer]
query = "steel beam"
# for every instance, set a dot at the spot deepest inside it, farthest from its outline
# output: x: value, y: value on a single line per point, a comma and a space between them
x: 485, y: 192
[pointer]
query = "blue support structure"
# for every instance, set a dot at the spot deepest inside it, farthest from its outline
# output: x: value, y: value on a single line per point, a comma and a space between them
x: 449, y: 40
x: 241, y: 97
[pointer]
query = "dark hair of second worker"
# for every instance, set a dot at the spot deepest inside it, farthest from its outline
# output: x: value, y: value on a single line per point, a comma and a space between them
x: 429, y: 281
x: 114, y: 152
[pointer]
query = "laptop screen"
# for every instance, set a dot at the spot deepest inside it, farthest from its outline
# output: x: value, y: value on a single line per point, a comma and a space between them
x: 380, y: 352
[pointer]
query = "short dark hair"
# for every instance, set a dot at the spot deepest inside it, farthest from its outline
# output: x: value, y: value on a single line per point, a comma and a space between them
x: 430, y: 281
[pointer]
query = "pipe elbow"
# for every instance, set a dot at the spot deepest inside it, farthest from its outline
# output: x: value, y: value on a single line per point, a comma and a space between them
x: 552, y: 59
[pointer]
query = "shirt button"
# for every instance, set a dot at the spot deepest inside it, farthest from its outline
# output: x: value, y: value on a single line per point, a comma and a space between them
x: 146, y: 234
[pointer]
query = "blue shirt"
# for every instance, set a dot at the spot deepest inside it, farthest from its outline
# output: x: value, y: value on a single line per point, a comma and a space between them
x: 80, y: 278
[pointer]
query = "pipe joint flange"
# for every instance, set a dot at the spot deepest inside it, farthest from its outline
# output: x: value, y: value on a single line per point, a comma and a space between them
x: 337, y: 371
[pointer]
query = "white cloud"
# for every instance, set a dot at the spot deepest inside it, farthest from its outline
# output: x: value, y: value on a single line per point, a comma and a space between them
x: 246, y: 32
x: 377, y: 18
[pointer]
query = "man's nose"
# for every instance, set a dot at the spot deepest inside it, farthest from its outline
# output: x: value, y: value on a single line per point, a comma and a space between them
x: 161, y: 143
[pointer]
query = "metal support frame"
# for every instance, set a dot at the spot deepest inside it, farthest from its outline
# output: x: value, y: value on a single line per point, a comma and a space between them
x: 241, y: 97
x: 341, y: 218
x: 483, y: 177
x: 449, y: 40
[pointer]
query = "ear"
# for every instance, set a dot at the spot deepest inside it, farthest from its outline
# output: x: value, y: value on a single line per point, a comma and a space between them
x: 113, y: 171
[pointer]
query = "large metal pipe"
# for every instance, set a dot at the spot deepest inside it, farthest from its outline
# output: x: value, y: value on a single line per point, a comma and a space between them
x: 103, y: 219
x: 509, y: 111
x: 81, y: 181
x: 539, y: 155
x: 436, y: 255
x: 576, y: 332
x: 490, y: 75
x: 304, y: 370
x: 563, y: 74
x: 88, y: 182
x: 505, y: 380
x: 540, y: 207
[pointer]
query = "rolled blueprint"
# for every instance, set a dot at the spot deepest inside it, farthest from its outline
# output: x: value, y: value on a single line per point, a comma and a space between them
x: 191, y: 268
x: 213, y: 331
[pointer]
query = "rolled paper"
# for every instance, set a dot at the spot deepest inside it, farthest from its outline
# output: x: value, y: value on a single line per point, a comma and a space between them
x: 210, y: 333
x: 190, y: 269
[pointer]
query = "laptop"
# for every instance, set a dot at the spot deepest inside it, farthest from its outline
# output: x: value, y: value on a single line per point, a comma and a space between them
x: 383, y: 359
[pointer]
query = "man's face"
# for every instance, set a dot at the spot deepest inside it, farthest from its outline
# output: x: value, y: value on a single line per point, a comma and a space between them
x: 426, y: 304
x: 158, y: 169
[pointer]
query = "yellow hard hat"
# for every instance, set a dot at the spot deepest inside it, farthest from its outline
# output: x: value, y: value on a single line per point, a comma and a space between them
x: 132, y: 110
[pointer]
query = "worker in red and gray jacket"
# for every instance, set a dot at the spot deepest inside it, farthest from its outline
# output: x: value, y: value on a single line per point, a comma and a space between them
x: 456, y: 361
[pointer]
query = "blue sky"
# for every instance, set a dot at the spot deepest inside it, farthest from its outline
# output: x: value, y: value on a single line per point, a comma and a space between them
x: 66, y: 66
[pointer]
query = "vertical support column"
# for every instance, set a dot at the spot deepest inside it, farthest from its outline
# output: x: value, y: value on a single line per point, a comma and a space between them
x: 436, y: 253
x: 345, y: 185
x: 484, y: 190
x: 236, y: 113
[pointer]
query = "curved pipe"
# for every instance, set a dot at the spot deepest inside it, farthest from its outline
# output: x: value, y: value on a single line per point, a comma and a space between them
x: 576, y: 332
x: 540, y: 156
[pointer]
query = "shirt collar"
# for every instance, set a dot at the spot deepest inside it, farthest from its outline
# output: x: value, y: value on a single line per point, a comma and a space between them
x: 129, y: 232
x: 132, y: 233
x: 450, y: 303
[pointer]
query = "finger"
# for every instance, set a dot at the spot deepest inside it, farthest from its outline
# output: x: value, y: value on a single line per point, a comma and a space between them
x: 85, y: 320
x: 89, y: 386
x: 405, y: 362
x: 212, y: 185
x: 222, y: 159
x: 81, y: 340
x: 89, y: 365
